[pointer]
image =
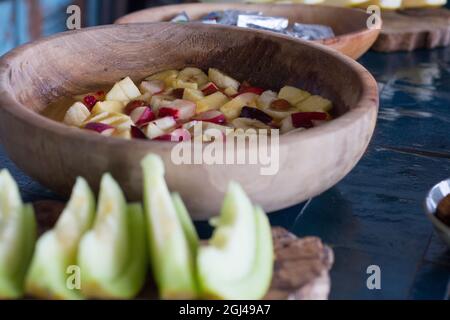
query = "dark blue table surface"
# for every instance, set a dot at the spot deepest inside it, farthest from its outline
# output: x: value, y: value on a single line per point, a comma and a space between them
x: 375, y: 216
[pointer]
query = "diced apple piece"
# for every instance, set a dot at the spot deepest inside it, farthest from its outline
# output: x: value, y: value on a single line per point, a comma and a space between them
x: 193, y: 75
x: 129, y: 88
x: 112, y: 255
x: 137, y: 133
x: 213, y: 116
x: 158, y: 100
x: 122, y: 133
x: 152, y: 86
x: 293, y: 95
x: 117, y: 94
x: 103, y: 129
x: 192, y: 95
x: 231, y: 92
x: 266, y: 98
x: 305, y: 119
x: 167, y: 76
x: 179, y: 109
x: 141, y: 116
x: 280, y: 115
x: 286, y: 125
x: 76, y: 114
x: 209, y: 89
x: 108, y: 106
x: 232, y: 109
x: 132, y: 105
x: 159, y: 127
x: 255, y: 90
x: 222, y: 80
x: 315, y: 104
x: 211, y: 131
x: 171, y: 253
x: 237, y: 264
x: 18, y: 236
x: 56, y: 250
x: 245, y: 123
x: 212, y: 102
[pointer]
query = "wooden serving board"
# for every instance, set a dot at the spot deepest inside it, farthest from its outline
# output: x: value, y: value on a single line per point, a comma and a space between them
x: 410, y: 29
x: 301, y: 270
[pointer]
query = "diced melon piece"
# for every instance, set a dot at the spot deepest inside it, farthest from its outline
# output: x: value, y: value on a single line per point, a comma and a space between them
x: 117, y: 94
x: 222, y: 80
x: 192, y: 95
x: 76, y: 114
x: 212, y: 102
x: 108, y: 106
x: 293, y: 95
x: 232, y: 109
x: 167, y: 76
x: 181, y: 84
x: 315, y: 104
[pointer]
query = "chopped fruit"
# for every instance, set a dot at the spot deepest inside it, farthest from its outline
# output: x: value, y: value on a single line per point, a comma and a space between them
x: 104, y: 129
x: 119, y: 121
x: 176, y: 135
x: 211, y: 130
x: 212, y: 102
x: 159, y: 127
x: 286, y: 125
x: 237, y: 263
x: 141, y: 116
x: 112, y: 255
x: 129, y: 88
x: 133, y: 105
x: 193, y: 75
x: 121, y: 133
x: 265, y: 100
x: 245, y: 123
x: 178, y: 93
x: 98, y: 95
x: 56, y: 250
x: 209, y: 88
x: 146, y: 97
x: 170, y: 242
x: 18, y: 236
x: 315, y: 104
x: 108, y: 106
x: 231, y: 92
x: 304, y: 119
x: 192, y: 95
x: 117, y: 94
x: 280, y: 105
x: 167, y: 76
x: 254, y: 113
x: 212, y: 116
x: 137, y: 133
x: 254, y: 90
x: 89, y: 101
x: 152, y: 86
x: 293, y: 95
x: 222, y: 80
x: 181, y: 110
x: 159, y: 100
x: 177, y: 83
x: 76, y: 114
x: 232, y: 109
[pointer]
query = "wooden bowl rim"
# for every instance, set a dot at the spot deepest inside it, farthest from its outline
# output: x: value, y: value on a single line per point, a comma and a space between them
x: 367, y: 102
x: 363, y: 31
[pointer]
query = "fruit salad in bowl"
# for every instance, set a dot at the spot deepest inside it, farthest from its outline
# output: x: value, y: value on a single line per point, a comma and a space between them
x: 169, y: 104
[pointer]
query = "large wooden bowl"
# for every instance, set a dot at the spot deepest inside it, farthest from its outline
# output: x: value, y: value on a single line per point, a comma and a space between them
x: 70, y: 63
x: 353, y: 38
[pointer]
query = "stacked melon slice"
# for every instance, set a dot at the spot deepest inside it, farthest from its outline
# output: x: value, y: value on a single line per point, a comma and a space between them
x: 102, y: 252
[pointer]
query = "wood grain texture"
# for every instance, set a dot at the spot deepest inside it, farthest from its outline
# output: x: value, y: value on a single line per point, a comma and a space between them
x: 310, y: 162
x: 353, y: 38
x: 408, y: 30
x: 301, y: 268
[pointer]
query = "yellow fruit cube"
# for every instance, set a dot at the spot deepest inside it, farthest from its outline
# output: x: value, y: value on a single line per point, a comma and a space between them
x: 129, y: 88
x: 117, y: 94
x: 293, y: 95
x: 192, y: 95
x: 181, y: 84
x: 167, y: 76
x: 233, y: 109
x: 315, y: 104
x: 108, y: 106
x: 212, y: 102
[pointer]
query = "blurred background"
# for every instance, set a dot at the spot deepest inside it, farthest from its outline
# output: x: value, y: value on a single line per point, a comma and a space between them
x: 25, y: 20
